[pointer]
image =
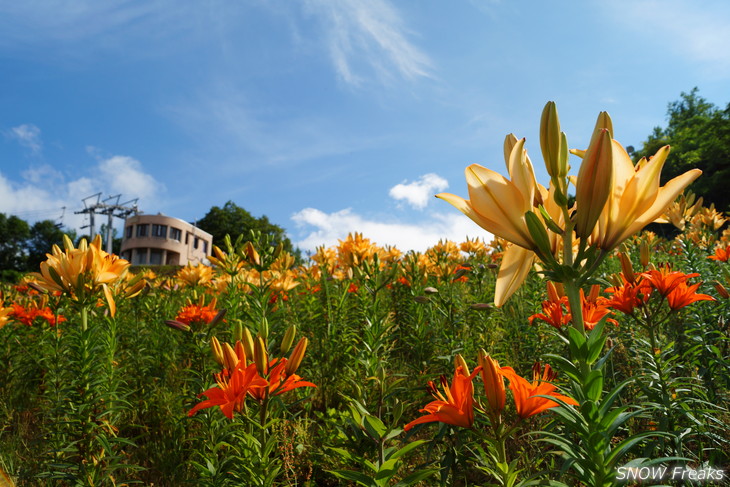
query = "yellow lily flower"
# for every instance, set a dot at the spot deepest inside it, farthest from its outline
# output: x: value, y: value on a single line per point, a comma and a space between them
x: 82, y: 272
x: 496, y: 203
x: 636, y: 198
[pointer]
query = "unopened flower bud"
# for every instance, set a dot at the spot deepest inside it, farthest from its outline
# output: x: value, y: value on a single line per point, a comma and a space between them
x: 627, y: 268
x: 721, y: 290
x: 288, y: 339
x: 644, y: 254
x: 215, y: 347
x: 241, y: 353
x: 261, y: 356
x: 247, y: 341
x: 460, y: 362
x: 229, y: 357
x: 177, y: 325
x: 295, y: 359
x: 493, y: 382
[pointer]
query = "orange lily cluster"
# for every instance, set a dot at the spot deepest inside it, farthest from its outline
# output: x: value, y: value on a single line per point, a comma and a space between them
x: 556, y: 309
x: 456, y: 405
x: 259, y: 379
x: 197, y: 314
x: 670, y: 285
x: 28, y: 315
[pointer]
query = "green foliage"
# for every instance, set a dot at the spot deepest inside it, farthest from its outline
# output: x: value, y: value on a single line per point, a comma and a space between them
x: 13, y: 234
x: 699, y: 135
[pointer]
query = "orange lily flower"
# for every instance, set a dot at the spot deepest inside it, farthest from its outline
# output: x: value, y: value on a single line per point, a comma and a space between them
x: 721, y: 255
x: 230, y: 393
x: 196, y: 314
x: 594, y: 308
x: 684, y: 295
x: 665, y: 280
x: 525, y: 393
x: 629, y: 296
x: 278, y: 381
x: 456, y: 408
x: 553, y: 309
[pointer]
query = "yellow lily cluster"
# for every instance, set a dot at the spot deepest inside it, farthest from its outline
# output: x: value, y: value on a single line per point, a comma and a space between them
x: 614, y: 200
x: 84, y: 271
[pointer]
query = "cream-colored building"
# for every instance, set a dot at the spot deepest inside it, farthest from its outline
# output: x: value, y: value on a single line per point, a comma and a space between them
x: 163, y: 240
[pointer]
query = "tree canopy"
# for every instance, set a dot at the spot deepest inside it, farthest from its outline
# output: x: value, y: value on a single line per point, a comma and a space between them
x: 235, y: 221
x: 699, y: 135
x: 23, y: 247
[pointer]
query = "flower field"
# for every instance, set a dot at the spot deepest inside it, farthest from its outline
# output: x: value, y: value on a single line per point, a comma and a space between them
x: 567, y: 348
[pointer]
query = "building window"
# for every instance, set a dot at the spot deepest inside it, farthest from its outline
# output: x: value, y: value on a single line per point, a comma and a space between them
x: 205, y: 247
x: 139, y: 257
x: 155, y: 257
x: 142, y: 230
x: 187, y: 238
x: 195, y: 243
x: 129, y: 231
x: 159, y: 230
x: 175, y: 233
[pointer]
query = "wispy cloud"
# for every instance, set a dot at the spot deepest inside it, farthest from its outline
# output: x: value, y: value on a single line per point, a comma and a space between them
x: 699, y: 34
x: 365, y: 38
x: 27, y: 135
x: 320, y: 228
x: 225, y: 115
x: 418, y: 193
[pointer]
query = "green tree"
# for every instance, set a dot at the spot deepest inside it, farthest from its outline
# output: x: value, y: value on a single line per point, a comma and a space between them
x: 234, y: 221
x: 699, y: 134
x: 14, y: 232
x: 43, y: 236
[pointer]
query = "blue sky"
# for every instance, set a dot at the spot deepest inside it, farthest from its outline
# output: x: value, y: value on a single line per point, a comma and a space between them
x: 328, y: 116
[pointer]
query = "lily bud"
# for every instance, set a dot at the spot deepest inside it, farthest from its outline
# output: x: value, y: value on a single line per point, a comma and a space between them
x: 215, y: 347
x: 644, y: 254
x: 627, y: 268
x: 288, y: 339
x: 251, y: 255
x: 460, y: 362
x: 595, y: 182
x: 493, y: 382
x: 295, y: 359
x: 553, y: 152
x: 261, y: 356
x: 247, y: 342
x: 241, y: 353
x: 237, y: 331
x: 229, y: 357
x: 177, y: 325
x: 721, y: 290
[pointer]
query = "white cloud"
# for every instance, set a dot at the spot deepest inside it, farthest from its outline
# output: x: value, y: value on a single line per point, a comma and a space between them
x: 43, y: 191
x: 371, y: 36
x: 320, y: 228
x: 27, y: 135
x: 418, y: 193
x: 123, y: 174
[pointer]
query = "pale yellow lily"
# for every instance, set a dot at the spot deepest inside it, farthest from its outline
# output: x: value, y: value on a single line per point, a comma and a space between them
x: 636, y: 198
x: 496, y: 203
